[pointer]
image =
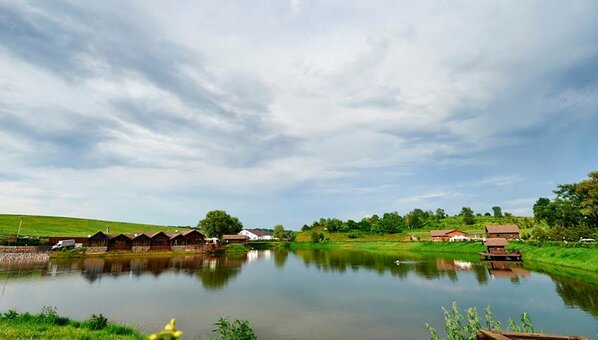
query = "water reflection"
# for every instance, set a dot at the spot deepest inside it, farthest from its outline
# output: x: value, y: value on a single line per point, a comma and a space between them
x: 215, y: 272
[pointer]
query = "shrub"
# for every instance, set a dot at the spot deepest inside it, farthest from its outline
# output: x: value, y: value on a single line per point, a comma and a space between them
x: 236, y: 330
x: 457, y: 330
x: 97, y: 322
x: 10, y: 314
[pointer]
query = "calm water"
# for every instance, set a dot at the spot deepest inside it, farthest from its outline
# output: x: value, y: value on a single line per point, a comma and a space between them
x: 299, y: 295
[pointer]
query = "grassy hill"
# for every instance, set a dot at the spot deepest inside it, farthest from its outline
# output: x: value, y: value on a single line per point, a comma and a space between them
x: 68, y: 226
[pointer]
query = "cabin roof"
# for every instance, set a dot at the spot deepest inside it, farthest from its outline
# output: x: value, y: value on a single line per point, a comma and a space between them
x: 503, y: 229
x: 257, y: 232
x: 441, y: 232
x: 136, y: 235
x: 193, y: 231
x: 174, y: 235
x: 496, y: 242
x: 234, y: 237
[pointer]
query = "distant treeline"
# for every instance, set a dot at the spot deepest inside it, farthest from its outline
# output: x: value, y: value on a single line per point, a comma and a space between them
x: 571, y: 215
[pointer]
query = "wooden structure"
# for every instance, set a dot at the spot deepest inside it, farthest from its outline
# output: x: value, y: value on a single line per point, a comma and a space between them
x: 177, y: 239
x: 145, y: 241
x: 484, y: 334
x: 140, y: 240
x: 496, y: 250
x: 508, y: 231
x: 229, y: 239
x: 98, y: 239
x: 194, y: 238
x: 444, y: 235
x: 119, y: 242
x: 160, y: 241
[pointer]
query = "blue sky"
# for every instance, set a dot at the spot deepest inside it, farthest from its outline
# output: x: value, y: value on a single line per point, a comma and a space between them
x: 284, y: 112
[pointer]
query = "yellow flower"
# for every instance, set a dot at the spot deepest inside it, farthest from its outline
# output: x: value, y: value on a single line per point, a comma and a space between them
x: 177, y: 334
x: 170, y: 326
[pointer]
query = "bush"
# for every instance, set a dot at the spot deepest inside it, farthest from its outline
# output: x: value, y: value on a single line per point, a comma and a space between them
x: 10, y: 315
x: 352, y: 235
x: 97, y: 322
x: 316, y: 236
x: 456, y: 330
x: 236, y: 330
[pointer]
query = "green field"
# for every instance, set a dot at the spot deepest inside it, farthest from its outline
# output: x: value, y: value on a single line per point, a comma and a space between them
x: 44, y: 226
x: 48, y: 325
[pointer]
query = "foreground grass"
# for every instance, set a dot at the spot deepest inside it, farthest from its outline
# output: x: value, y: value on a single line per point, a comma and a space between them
x: 582, y: 258
x: 68, y: 226
x: 48, y: 325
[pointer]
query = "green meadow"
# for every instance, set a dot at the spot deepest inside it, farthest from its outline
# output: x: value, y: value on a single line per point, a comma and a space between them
x: 45, y: 226
x: 49, y: 325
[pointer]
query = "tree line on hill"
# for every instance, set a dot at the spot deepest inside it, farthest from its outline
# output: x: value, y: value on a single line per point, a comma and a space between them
x: 393, y: 222
x: 571, y: 215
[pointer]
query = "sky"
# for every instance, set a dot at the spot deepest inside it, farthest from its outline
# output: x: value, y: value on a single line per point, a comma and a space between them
x: 285, y: 112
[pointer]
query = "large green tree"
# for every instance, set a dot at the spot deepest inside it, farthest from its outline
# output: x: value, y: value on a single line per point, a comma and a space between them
x: 588, y: 190
x: 497, y: 211
x: 279, y: 232
x: 218, y: 223
x: 467, y: 215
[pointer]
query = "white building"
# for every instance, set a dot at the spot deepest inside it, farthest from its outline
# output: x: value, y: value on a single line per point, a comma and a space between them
x: 255, y: 235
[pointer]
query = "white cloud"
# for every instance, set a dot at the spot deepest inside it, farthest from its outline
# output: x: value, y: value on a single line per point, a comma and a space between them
x: 244, y: 99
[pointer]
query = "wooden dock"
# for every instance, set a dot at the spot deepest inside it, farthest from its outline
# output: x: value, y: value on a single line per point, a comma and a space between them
x: 501, y: 256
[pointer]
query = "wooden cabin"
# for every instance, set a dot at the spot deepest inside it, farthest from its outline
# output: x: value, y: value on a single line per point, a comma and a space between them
x: 507, y: 231
x: 160, y: 241
x: 98, y: 239
x: 194, y: 238
x: 229, y: 239
x: 496, y: 250
x: 119, y: 242
x: 177, y: 239
x: 444, y: 235
x: 140, y: 240
x: 496, y: 245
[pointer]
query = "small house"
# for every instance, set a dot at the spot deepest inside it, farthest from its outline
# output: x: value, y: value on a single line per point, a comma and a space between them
x: 98, y: 239
x: 194, y: 237
x: 508, y: 231
x: 177, y: 239
x: 119, y: 242
x: 140, y: 240
x: 496, y: 245
x: 445, y: 234
x: 160, y: 241
x: 254, y: 234
x: 229, y: 239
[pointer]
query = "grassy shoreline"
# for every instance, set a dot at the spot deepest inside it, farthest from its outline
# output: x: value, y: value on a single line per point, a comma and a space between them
x: 585, y: 259
x: 49, y: 325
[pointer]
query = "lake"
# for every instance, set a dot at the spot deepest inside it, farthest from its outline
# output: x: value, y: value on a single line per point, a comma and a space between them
x: 303, y: 294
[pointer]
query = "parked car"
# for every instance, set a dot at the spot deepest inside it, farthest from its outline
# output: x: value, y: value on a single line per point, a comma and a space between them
x: 64, y: 244
x: 587, y: 240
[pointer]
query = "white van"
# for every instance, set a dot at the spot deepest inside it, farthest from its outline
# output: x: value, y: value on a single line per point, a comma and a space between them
x: 63, y: 244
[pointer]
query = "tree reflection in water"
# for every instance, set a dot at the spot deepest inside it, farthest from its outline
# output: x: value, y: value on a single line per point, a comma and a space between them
x: 214, y: 272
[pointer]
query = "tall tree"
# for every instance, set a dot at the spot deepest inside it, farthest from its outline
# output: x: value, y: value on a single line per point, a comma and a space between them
x: 467, y: 215
x: 588, y: 190
x: 497, y: 211
x: 440, y: 214
x: 279, y: 232
x: 218, y: 222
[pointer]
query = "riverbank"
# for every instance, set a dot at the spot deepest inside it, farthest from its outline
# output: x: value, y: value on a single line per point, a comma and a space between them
x: 49, y: 325
x: 581, y: 258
